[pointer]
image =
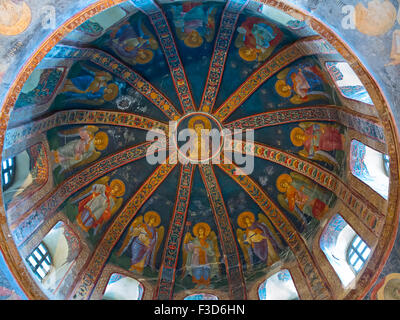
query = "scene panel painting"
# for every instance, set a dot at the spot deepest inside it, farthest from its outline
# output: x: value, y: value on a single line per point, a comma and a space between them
x: 320, y: 142
x: 255, y: 40
x: 93, y: 208
x: 75, y: 147
x: 88, y: 86
x: 200, y: 263
x: 259, y: 243
x: 301, y: 84
x: 134, y: 41
x: 195, y: 27
x: 141, y: 246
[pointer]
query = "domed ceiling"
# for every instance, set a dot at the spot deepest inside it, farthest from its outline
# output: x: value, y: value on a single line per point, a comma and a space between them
x: 98, y: 113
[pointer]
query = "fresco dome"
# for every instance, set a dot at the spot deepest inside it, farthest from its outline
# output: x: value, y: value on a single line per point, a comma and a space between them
x: 197, y: 150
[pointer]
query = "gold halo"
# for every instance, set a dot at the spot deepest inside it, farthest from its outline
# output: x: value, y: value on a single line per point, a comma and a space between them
x: 389, y: 289
x: 281, y: 180
x: 293, y: 136
x: 19, y: 26
x: 148, y: 56
x: 206, y: 122
x: 113, y: 94
x: 121, y: 187
x: 283, y: 89
x: 154, y: 214
x: 248, y: 54
x: 193, y: 44
x: 203, y: 225
x: 103, y: 137
x: 243, y: 216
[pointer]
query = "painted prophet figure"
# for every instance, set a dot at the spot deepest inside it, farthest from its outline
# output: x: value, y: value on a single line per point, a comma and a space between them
x: 144, y: 239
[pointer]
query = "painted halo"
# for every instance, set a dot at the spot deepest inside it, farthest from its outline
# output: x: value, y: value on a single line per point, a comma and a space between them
x: 281, y: 182
x: 242, y: 217
x: 119, y: 185
x: 203, y: 225
x: 152, y: 214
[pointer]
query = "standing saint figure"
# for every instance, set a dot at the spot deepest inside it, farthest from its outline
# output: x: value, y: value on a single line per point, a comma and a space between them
x: 98, y: 203
x: 82, y: 150
x: 257, y: 239
x: 318, y: 139
x: 201, y: 255
x: 200, y: 149
x: 144, y: 239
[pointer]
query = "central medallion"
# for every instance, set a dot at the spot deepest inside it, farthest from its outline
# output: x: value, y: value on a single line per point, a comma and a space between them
x: 199, y: 138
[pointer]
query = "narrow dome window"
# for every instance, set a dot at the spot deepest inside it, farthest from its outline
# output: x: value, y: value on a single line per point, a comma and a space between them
x: 370, y: 166
x: 357, y: 253
x: 40, y: 261
x: 279, y: 286
x: 8, y: 172
x: 347, y: 81
x: 120, y: 287
x: 344, y: 249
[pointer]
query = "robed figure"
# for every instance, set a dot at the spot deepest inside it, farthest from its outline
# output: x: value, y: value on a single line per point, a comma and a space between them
x: 98, y: 203
x: 257, y: 239
x: 143, y: 239
x: 201, y: 255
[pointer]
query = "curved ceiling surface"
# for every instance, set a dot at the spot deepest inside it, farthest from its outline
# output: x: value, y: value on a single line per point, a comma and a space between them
x: 100, y: 109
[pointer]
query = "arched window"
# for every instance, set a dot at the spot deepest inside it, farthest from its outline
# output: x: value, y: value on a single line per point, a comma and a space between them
x: 120, y: 287
x: 347, y: 81
x: 369, y: 166
x: 40, y: 261
x: 279, y: 286
x: 54, y: 258
x: 8, y: 172
x: 344, y: 249
x: 358, y: 253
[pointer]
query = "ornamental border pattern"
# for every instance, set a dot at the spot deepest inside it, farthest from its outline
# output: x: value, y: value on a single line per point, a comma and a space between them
x: 314, y: 113
x: 115, y: 66
x: 165, y: 284
x: 87, y: 280
x: 29, y: 222
x: 160, y: 24
x: 315, y: 279
x: 223, y: 41
x: 234, y: 271
x: 301, y: 48
x: 75, y: 117
x: 386, y: 240
x: 367, y: 213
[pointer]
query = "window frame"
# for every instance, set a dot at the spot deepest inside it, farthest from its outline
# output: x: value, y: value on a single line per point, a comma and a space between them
x: 339, y: 88
x: 354, y: 250
x: 44, y: 258
x: 10, y: 170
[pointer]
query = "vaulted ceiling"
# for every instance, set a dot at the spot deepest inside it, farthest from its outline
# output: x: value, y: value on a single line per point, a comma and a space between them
x: 87, y: 111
